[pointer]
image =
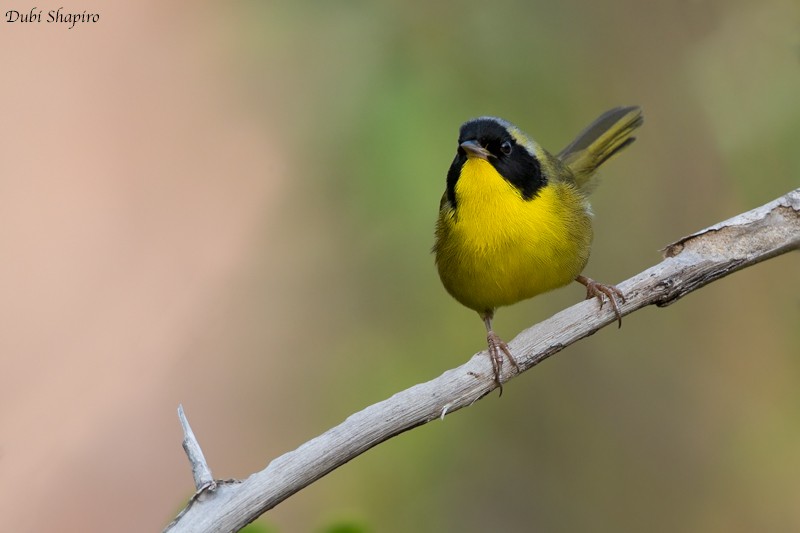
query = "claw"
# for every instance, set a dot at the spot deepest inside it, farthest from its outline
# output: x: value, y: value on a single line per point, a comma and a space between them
x: 601, y: 292
x: 498, y: 348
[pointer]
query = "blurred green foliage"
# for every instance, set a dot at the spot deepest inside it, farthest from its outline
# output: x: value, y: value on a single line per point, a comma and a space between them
x: 335, y: 527
x: 258, y: 527
x: 687, y: 418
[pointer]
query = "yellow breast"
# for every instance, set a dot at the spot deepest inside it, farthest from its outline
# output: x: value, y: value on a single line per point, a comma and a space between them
x: 496, y: 248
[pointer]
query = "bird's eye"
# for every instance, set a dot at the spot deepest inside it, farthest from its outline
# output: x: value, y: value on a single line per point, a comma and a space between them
x: 506, y: 147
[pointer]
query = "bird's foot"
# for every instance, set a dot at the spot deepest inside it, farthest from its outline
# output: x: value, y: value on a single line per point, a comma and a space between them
x: 601, y: 292
x: 498, y: 348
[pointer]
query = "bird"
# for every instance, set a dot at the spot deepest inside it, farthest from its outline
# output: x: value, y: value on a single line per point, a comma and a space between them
x: 515, y: 220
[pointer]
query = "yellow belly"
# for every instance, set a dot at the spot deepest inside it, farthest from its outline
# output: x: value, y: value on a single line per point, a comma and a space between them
x: 497, y: 249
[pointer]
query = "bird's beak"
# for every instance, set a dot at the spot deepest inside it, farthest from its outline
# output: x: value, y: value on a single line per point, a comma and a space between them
x: 474, y: 149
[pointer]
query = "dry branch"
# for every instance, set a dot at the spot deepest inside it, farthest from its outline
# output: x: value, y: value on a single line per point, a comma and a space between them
x: 689, y: 264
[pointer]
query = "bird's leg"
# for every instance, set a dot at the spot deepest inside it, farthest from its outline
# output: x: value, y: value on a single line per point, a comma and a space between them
x: 600, y: 291
x: 496, y: 349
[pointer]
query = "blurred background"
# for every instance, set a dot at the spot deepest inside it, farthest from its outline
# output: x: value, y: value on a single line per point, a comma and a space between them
x: 231, y: 206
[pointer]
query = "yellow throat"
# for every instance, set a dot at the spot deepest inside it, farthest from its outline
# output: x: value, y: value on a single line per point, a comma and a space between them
x: 498, y: 248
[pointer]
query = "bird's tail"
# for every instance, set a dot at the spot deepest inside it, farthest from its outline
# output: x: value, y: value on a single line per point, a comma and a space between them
x: 603, y: 138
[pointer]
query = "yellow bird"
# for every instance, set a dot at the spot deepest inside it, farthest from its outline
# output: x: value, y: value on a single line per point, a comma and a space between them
x: 515, y: 220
